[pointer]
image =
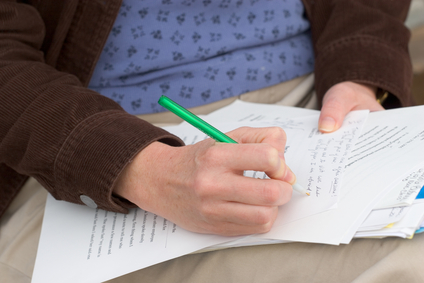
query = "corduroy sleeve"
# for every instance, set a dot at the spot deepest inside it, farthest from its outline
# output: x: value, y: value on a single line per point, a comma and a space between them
x: 362, y: 41
x: 71, y: 139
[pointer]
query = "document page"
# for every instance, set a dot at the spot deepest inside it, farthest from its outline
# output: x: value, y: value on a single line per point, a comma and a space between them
x: 405, y: 192
x: 388, y: 151
x: 404, y: 228
x: 81, y: 244
x: 379, y: 218
x: 239, y: 111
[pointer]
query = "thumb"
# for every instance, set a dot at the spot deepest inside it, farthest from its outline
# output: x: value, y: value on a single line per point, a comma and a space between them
x: 333, y: 112
x: 342, y: 98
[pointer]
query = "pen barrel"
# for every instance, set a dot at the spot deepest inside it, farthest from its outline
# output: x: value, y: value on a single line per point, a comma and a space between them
x: 194, y: 120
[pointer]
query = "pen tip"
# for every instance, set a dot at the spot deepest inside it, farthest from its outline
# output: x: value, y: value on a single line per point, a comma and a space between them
x: 300, y: 189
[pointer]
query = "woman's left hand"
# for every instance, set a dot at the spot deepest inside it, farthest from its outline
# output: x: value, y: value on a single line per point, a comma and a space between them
x: 342, y: 98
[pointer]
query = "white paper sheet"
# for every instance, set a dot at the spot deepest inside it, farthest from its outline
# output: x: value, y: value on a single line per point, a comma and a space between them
x: 80, y: 244
x: 390, y: 155
x: 404, y: 228
x: 240, y: 111
x: 405, y: 192
x: 382, y: 217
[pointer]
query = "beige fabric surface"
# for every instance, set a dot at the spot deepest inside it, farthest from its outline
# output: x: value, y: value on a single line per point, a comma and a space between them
x: 20, y: 229
x: 364, y: 260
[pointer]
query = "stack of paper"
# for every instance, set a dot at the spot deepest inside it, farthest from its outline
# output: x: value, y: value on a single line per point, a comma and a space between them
x: 400, y: 212
x: 364, y: 180
x: 384, y: 171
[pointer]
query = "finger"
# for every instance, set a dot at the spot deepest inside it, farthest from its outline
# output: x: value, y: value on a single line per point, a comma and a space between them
x: 257, y: 157
x: 233, y: 219
x: 230, y: 229
x: 252, y: 191
x: 274, y: 136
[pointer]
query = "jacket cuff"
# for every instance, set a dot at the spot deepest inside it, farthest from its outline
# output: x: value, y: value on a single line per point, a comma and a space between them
x: 364, y: 59
x: 96, y: 152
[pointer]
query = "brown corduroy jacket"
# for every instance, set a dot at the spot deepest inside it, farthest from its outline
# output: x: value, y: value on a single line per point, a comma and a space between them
x: 76, y: 142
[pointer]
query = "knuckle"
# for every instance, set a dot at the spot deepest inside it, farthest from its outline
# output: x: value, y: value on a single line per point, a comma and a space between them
x: 207, y: 157
x: 199, y: 186
x: 266, y: 228
x: 271, y: 156
x: 264, y: 216
x: 207, y: 212
x: 271, y: 194
x: 287, y: 195
x: 203, y: 188
x: 278, y: 133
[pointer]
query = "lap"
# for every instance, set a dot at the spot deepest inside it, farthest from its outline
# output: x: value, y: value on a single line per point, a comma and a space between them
x: 363, y: 260
x: 20, y: 229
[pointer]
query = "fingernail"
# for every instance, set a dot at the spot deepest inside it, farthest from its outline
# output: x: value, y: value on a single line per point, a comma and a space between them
x: 290, y: 177
x: 327, y: 124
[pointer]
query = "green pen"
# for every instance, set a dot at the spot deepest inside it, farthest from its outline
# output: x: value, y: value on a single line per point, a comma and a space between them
x: 206, y: 127
x: 194, y: 120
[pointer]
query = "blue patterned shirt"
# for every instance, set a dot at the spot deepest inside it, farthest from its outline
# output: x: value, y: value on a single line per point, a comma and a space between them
x: 201, y: 51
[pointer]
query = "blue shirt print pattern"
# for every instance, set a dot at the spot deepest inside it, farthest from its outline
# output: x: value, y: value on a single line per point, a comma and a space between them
x: 201, y: 51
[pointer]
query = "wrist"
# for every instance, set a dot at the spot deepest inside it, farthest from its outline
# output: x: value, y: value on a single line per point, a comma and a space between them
x: 134, y: 180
